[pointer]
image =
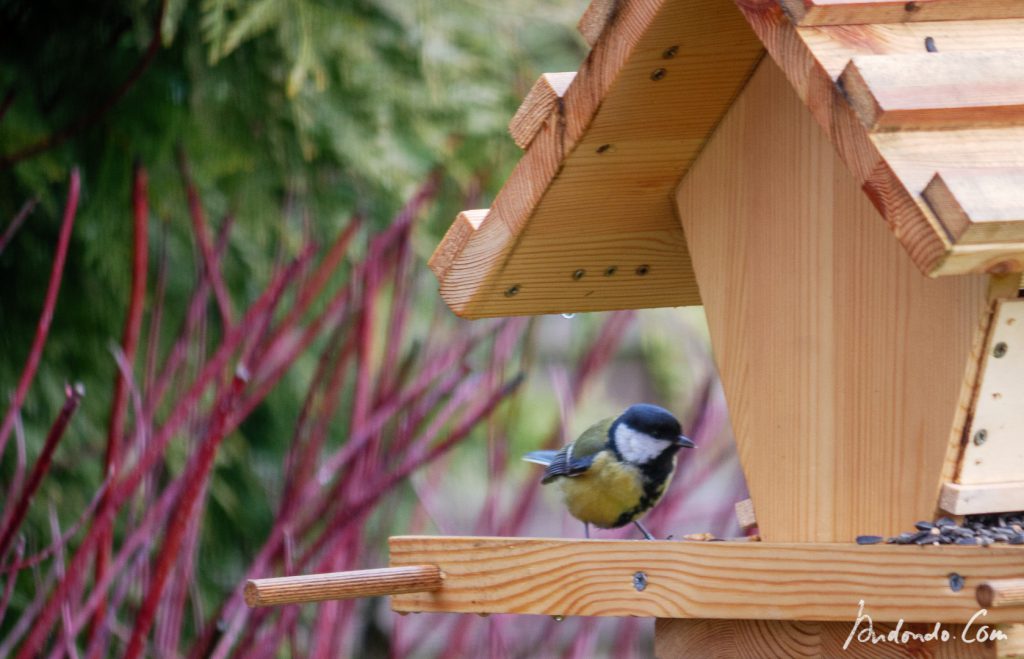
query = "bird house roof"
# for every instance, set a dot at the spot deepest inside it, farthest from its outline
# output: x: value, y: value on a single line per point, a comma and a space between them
x: 923, y: 101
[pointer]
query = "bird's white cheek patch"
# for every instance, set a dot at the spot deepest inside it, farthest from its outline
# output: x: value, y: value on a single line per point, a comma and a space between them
x: 636, y: 447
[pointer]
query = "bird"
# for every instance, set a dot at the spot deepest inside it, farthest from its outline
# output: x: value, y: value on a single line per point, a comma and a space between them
x: 618, y: 469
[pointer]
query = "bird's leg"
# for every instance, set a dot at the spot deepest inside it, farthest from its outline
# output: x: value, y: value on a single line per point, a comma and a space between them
x: 586, y: 530
x: 647, y: 534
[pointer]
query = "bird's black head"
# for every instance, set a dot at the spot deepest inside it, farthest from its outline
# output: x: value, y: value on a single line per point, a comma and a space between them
x: 652, y: 420
x: 644, y: 433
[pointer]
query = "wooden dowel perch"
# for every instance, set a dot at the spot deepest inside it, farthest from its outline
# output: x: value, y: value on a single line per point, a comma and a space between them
x: 1001, y: 592
x: 343, y: 585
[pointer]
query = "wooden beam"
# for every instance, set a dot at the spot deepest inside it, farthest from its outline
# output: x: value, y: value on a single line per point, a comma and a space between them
x: 936, y: 90
x: 737, y: 580
x: 841, y: 364
x: 987, y: 498
x: 851, y: 12
x: 455, y: 240
x: 540, y: 105
x: 770, y: 639
x: 597, y: 16
x: 979, y: 207
x: 585, y: 222
x: 834, y: 46
x: 890, y: 166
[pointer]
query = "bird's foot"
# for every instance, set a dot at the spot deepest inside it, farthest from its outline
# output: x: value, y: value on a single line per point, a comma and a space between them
x: 647, y: 534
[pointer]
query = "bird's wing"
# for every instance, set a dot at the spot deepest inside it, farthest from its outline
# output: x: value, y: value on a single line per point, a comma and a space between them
x: 576, y: 457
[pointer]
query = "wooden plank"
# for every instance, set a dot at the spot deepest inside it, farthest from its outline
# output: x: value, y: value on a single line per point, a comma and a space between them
x: 458, y: 235
x: 841, y: 364
x: 835, y: 46
x: 979, y: 208
x: 910, y: 160
x: 888, y: 176
x: 936, y: 90
x: 851, y: 12
x: 994, y: 452
x: 596, y: 17
x: 540, y: 105
x: 770, y: 639
x: 741, y: 580
x: 975, y: 499
x: 594, y: 192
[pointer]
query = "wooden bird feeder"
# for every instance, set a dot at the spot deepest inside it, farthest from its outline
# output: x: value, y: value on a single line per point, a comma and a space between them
x: 849, y: 210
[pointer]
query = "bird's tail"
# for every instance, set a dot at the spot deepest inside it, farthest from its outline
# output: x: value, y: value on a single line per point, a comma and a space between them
x: 540, y: 457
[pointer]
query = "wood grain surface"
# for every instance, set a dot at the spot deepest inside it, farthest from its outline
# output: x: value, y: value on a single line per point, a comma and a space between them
x: 936, y: 91
x: 342, y: 585
x: 851, y: 12
x: 893, y: 168
x: 996, y: 455
x: 772, y: 639
x: 539, y: 106
x: 842, y: 365
x: 743, y: 580
x: 979, y: 207
x: 585, y: 222
x: 986, y: 498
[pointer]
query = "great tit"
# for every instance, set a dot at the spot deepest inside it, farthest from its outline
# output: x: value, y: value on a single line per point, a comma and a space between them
x: 618, y: 469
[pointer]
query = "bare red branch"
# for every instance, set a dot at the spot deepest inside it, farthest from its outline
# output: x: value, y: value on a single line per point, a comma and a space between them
x: 200, y: 227
x: 129, y: 345
x: 19, y: 219
x: 72, y: 396
x: 49, y: 303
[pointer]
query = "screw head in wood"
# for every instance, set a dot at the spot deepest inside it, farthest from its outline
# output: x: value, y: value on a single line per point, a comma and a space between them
x: 1000, y: 349
x: 670, y: 52
x: 512, y: 290
x: 603, y: 148
x: 579, y: 274
x: 956, y: 582
x: 658, y: 74
x: 611, y: 270
x: 642, y: 270
x: 639, y: 581
x: 980, y: 437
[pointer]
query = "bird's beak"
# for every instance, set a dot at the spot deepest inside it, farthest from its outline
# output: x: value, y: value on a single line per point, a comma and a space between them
x: 686, y: 442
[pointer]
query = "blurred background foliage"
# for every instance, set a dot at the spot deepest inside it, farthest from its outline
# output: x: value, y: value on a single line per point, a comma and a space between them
x: 294, y: 116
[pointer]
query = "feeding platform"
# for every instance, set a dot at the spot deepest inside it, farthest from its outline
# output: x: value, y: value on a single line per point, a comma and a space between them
x: 839, y: 184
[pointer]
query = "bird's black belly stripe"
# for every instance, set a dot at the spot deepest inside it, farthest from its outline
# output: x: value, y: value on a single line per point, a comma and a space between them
x: 654, y: 474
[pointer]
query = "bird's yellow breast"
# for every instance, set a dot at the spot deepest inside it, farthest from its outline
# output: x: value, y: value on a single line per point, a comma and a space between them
x: 606, y: 491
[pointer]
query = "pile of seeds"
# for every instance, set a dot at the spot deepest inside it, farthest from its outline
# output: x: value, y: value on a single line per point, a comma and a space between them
x: 981, y: 530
